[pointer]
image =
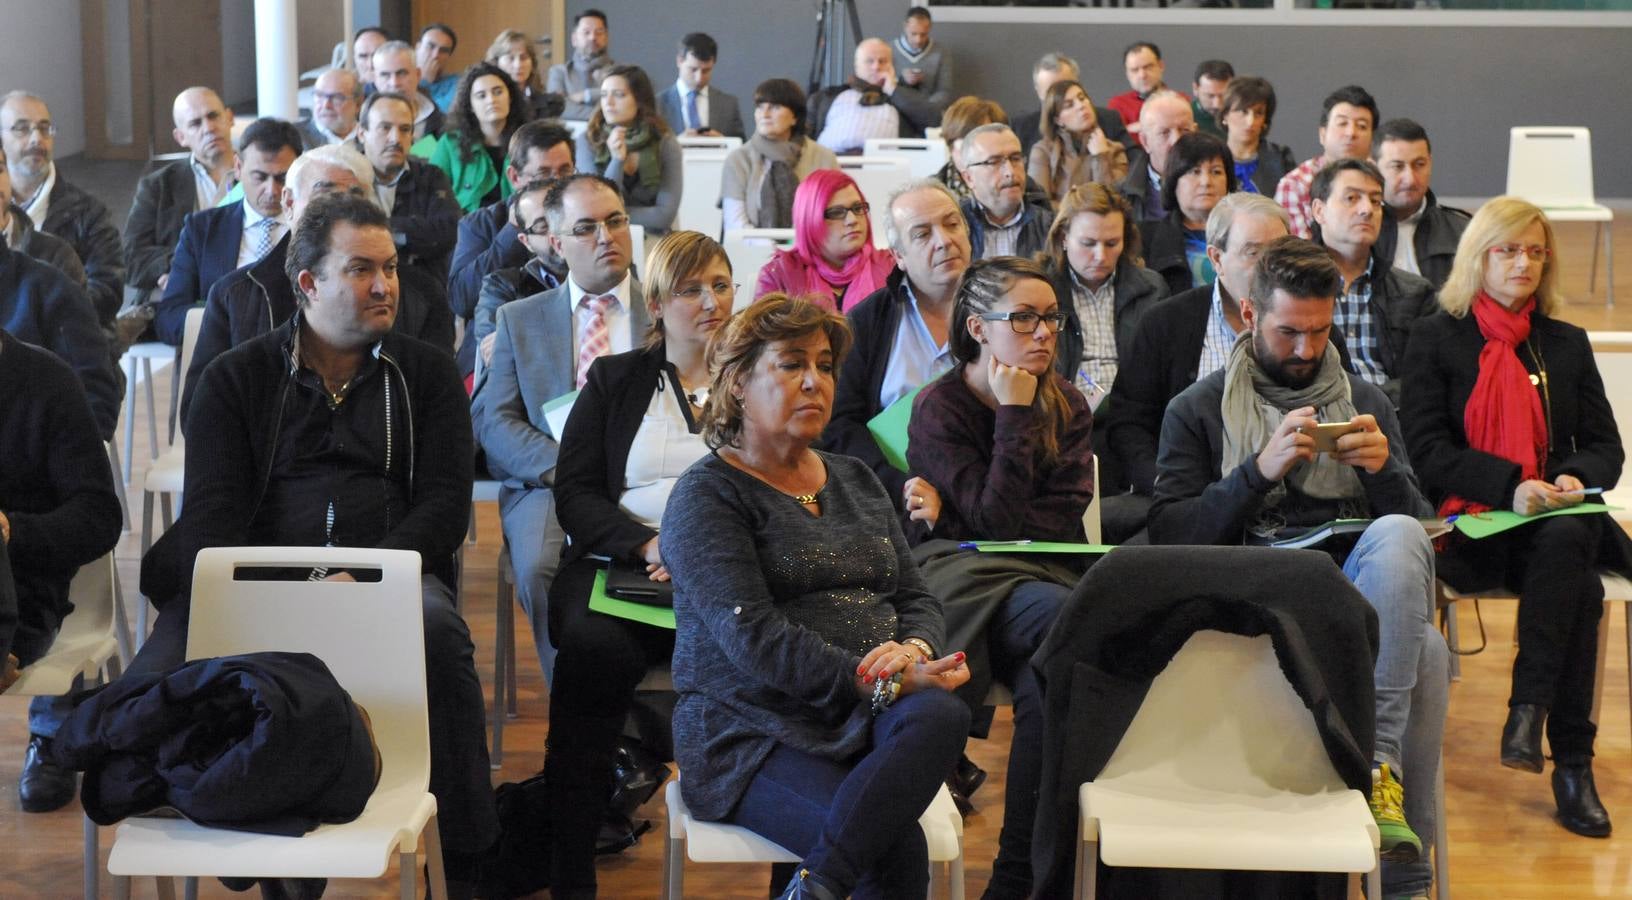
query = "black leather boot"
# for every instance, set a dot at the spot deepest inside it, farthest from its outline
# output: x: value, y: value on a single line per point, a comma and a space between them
x: 1579, y: 808
x: 1521, y: 737
x: 807, y: 885
x: 44, y: 786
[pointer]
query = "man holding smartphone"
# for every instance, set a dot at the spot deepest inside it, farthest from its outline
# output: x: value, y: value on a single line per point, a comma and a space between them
x: 1239, y: 462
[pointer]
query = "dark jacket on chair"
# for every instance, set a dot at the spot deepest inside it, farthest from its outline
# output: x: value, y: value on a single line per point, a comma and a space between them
x: 206, y: 252
x: 84, y: 223
x: 164, y: 198
x: 1435, y: 240
x: 40, y: 305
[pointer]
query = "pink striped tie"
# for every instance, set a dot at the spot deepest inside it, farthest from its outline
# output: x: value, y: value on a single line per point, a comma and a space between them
x: 593, y: 339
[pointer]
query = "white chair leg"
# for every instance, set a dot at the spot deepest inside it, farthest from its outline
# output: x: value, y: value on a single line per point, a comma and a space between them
x: 130, y: 414
x: 407, y: 875
x: 955, y: 875
x: 93, y: 857
x: 1609, y: 264
x: 1442, y: 839
x: 166, y: 887
x: 121, y: 626
x: 1453, y: 638
x: 674, y: 862
x: 1087, y: 887
x: 1598, y: 675
x: 152, y: 415
x: 1374, y: 880
x: 147, y: 520
x: 1592, y: 273
x: 1627, y: 606
x: 119, y: 483
x: 189, y: 888
x: 433, y: 859
x: 121, y: 887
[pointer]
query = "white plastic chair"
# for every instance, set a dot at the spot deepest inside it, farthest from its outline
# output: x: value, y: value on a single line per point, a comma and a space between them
x: 692, y: 143
x: 717, y: 842
x: 749, y: 249
x: 700, y: 201
x: 637, y: 250
x: 925, y: 156
x: 1552, y: 168
x: 164, y: 477
x: 877, y: 177
x: 1222, y: 768
x: 371, y: 636
x: 139, y: 362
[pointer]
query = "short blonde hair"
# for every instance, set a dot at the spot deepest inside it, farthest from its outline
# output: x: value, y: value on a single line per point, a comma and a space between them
x: 736, y: 348
x: 1499, y: 220
x: 678, y: 256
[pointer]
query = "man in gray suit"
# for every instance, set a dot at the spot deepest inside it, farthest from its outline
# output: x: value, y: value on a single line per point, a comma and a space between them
x: 693, y: 107
x: 542, y: 350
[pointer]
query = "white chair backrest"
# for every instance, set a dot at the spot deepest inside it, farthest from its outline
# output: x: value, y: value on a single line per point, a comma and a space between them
x: 1090, y: 516
x: 877, y: 177
x: 933, y: 134
x: 1550, y: 167
x: 637, y: 248
x: 925, y: 156
x: 370, y: 634
x: 575, y: 126
x: 1223, y: 714
x: 700, y: 201
x: 749, y: 249
x: 1615, y: 367
x: 86, y: 640
x: 723, y: 143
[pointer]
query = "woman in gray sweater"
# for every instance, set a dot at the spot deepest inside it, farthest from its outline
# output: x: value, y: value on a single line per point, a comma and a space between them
x: 815, y: 694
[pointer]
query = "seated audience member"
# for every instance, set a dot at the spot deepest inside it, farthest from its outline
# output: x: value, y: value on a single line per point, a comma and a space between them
x: 1166, y: 117
x: 436, y: 45
x: 832, y: 262
x: 630, y: 145
x: 254, y: 299
x: 1213, y: 77
x: 363, y: 44
x: 542, y: 350
x: 1418, y: 234
x: 544, y: 269
x: 902, y: 331
x: 692, y: 105
x: 57, y: 207
x: 396, y: 72
x: 807, y: 692
x: 760, y: 177
x: 513, y: 52
x: 926, y: 65
x: 335, y: 100
x: 270, y: 408
x: 1347, y: 118
x: 1505, y: 409
x: 489, y: 237
x: 1249, y: 108
x: 1199, y: 173
x: 21, y: 235
x: 58, y: 511
x: 167, y: 195
x: 1379, y: 304
x: 634, y: 429
x: 487, y: 110
x: 1005, y: 441
x: 1003, y: 221
x: 1049, y: 68
x: 1188, y: 336
x: 964, y: 115
x: 424, y: 218
x: 874, y: 103
x: 1074, y: 149
x: 1237, y: 465
x: 222, y: 238
x: 1142, y: 63
x: 579, y: 78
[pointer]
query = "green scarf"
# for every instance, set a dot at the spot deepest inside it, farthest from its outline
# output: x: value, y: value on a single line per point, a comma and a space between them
x: 642, y: 140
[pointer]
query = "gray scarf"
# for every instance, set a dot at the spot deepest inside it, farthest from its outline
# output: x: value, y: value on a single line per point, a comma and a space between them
x: 772, y: 181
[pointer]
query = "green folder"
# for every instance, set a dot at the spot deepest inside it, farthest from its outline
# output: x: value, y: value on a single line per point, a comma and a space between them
x: 1496, y: 521
x: 1040, y: 547
x: 556, y: 412
x: 658, y: 616
x: 889, y: 429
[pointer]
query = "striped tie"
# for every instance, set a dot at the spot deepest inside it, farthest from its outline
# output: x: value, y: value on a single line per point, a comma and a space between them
x: 593, y: 339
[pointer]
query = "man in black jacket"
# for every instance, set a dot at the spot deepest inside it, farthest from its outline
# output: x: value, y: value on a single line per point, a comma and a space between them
x: 1418, y: 235
x: 57, y: 207
x: 21, y: 235
x: 40, y: 305
x: 58, y: 511
x: 397, y: 477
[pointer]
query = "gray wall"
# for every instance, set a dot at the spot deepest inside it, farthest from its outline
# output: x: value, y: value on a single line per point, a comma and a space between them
x: 1467, y: 86
x: 43, y: 57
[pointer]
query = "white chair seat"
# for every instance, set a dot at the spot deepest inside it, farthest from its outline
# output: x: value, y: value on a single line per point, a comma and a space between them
x: 718, y: 842
x: 87, y: 640
x: 1593, y: 213
x: 165, y: 475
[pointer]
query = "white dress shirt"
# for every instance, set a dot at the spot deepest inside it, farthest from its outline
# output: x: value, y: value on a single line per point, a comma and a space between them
x: 38, y: 207
x: 617, y: 317
x: 208, y: 189
x: 702, y: 105
x: 249, y: 244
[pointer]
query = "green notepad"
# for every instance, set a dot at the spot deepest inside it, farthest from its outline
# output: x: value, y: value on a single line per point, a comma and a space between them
x: 1041, y: 547
x: 556, y: 412
x: 1496, y: 521
x: 889, y: 429
x: 658, y: 616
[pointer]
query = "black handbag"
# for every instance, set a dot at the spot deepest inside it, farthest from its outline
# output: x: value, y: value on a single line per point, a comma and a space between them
x: 626, y: 581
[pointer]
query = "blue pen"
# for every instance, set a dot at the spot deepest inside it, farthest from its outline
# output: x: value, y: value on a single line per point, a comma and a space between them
x: 1088, y: 379
x: 1585, y: 491
x: 976, y: 545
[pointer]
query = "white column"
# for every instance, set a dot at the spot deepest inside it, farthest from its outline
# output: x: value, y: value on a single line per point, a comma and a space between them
x: 277, y: 61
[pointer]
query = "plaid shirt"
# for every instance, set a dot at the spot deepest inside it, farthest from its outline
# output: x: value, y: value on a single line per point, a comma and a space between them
x: 1096, y: 312
x: 1353, y: 318
x: 1217, y: 341
x: 1293, y: 194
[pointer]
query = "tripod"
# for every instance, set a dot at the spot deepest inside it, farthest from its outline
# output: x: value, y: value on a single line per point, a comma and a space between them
x: 828, y: 64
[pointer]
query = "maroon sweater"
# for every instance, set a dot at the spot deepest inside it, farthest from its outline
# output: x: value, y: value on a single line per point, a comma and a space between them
x: 987, y: 465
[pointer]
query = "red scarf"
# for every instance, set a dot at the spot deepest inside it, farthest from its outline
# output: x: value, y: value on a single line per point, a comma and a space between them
x: 1504, y: 415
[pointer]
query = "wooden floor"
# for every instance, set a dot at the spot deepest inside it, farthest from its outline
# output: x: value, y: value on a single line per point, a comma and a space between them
x: 1503, y: 841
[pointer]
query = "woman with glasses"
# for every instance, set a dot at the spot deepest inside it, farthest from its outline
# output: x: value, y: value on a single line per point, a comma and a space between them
x: 486, y: 111
x: 1503, y: 409
x: 630, y: 143
x: 1006, y: 443
x: 760, y: 177
x: 1200, y: 172
x: 635, y: 427
x: 1074, y: 149
x: 513, y: 52
x: 832, y: 262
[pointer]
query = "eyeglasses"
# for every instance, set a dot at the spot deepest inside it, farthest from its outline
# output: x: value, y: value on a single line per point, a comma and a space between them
x: 1014, y: 160
x: 1025, y: 322
x: 840, y: 213
x: 541, y: 228
x: 586, y: 231
x: 1510, y: 252
x: 720, y: 290
x: 21, y: 130
x: 326, y: 97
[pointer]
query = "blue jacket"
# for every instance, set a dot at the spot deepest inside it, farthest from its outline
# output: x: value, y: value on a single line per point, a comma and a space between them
x: 487, y: 243
x: 724, y: 115
x: 208, y: 249
x: 39, y: 305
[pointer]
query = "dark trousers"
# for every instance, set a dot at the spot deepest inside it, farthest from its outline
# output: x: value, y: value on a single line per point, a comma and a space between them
x: 855, y: 822
x: 599, y: 660
x: 1552, y: 566
x: 468, y: 821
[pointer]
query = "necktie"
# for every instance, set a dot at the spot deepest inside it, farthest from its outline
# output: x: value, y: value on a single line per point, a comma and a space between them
x: 265, y: 241
x: 691, y: 111
x: 593, y: 338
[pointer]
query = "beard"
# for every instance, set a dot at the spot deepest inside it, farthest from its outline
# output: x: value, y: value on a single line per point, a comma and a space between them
x: 1288, y: 372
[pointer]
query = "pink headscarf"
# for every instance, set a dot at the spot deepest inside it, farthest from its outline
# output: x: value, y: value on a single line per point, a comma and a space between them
x: 864, y: 272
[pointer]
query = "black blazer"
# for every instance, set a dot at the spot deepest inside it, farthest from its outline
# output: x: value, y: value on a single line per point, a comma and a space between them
x: 1438, y: 232
x: 163, y: 199
x: 595, y: 444
x: 206, y: 253
x: 1274, y: 161
x: 1165, y: 252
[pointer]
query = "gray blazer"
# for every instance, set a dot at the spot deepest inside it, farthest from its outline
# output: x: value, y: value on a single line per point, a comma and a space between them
x: 723, y: 114
x: 533, y: 363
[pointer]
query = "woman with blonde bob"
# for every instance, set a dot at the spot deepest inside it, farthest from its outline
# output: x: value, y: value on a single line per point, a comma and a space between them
x: 814, y: 679
x: 1503, y: 409
x: 513, y: 52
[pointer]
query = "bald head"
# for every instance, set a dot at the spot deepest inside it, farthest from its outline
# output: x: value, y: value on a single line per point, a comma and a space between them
x: 1164, y: 119
x: 203, y: 126
x: 874, y: 64
x: 335, y: 99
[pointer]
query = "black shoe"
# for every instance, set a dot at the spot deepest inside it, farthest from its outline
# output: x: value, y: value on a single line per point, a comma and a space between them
x: 807, y: 885
x: 967, y: 777
x: 1579, y: 809
x: 44, y: 786
x: 619, y: 833
x: 1521, y: 737
x: 637, y: 774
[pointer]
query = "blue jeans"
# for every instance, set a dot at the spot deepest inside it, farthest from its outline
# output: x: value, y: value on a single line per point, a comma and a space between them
x: 855, y: 822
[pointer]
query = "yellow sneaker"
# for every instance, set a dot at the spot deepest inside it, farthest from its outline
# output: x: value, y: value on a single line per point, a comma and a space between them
x: 1399, y: 843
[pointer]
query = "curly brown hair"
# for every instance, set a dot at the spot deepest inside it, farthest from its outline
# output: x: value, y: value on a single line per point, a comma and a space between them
x: 736, y: 348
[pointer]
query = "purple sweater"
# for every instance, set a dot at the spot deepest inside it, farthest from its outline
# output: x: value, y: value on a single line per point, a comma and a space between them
x: 987, y: 465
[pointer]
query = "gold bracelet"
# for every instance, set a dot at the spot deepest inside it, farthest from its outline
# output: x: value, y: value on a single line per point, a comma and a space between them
x: 922, y: 647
